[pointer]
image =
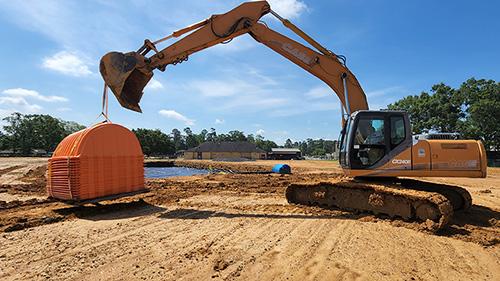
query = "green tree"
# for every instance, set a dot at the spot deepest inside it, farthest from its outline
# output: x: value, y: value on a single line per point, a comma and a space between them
x: 212, y: 136
x: 418, y: 110
x: 236, y: 135
x: 481, y: 104
x: 202, y: 136
x: 191, y: 139
x: 319, y: 152
x: 71, y: 127
x: 263, y: 144
x: 16, y: 131
x: 250, y: 138
x: 445, y: 108
x: 35, y: 131
x: 439, y: 111
x: 179, y: 143
x: 154, y: 142
x: 4, y: 141
x: 473, y: 110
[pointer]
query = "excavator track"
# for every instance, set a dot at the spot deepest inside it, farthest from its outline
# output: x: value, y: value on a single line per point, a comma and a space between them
x: 433, y: 204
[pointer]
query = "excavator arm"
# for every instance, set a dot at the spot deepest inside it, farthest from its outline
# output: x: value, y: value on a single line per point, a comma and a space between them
x: 127, y: 74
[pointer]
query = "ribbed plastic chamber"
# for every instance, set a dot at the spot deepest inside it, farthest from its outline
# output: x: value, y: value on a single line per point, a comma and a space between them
x: 102, y: 160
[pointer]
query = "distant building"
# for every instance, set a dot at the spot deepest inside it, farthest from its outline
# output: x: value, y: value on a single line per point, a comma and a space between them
x: 7, y: 152
x: 285, y: 153
x: 225, y: 150
x: 34, y: 152
x: 39, y: 152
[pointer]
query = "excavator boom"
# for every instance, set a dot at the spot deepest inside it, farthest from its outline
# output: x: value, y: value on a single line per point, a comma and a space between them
x: 127, y: 74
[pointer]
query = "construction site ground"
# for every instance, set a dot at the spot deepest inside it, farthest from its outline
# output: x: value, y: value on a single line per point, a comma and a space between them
x: 234, y: 226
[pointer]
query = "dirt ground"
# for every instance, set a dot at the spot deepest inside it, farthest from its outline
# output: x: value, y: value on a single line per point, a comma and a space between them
x: 229, y: 226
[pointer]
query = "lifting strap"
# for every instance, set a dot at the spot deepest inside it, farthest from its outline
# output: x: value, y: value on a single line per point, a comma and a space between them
x: 104, y: 111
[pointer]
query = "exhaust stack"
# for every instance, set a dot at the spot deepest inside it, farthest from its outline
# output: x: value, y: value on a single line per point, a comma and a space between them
x: 126, y: 75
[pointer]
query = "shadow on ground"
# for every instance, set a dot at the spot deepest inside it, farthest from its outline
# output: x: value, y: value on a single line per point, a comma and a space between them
x: 478, y: 216
x: 478, y: 224
x: 194, y: 214
x: 111, y: 211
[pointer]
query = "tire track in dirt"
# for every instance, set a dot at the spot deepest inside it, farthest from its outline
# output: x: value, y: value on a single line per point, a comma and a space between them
x: 239, y: 227
x: 130, y: 235
x: 180, y: 226
x: 196, y: 244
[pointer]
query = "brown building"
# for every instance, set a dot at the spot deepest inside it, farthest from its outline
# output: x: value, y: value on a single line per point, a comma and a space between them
x: 225, y: 150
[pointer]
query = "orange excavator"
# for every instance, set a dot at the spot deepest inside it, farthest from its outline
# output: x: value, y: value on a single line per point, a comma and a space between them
x: 377, y: 147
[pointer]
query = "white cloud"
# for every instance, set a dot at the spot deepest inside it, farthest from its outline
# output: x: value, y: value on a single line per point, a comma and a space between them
x: 288, y: 8
x: 66, y: 63
x: 283, y: 133
x: 18, y: 104
x: 237, y: 93
x: 263, y: 79
x: 154, y: 85
x: 18, y: 99
x: 74, y: 24
x: 172, y: 114
x: 254, y: 103
x: 385, y: 91
x: 25, y: 93
x: 379, y: 99
x: 221, y: 88
x: 302, y: 108
x: 238, y: 44
x: 220, y: 121
x: 318, y: 92
x: 260, y: 132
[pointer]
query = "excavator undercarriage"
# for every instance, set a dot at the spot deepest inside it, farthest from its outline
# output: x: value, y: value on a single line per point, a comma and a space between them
x: 409, y: 199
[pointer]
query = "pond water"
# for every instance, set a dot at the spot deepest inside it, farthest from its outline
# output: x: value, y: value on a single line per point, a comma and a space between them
x: 167, y: 172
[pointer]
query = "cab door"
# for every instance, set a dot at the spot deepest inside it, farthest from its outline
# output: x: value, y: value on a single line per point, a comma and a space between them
x: 368, y: 140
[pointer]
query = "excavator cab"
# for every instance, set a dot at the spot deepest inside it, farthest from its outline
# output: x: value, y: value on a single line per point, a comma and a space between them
x: 371, y: 139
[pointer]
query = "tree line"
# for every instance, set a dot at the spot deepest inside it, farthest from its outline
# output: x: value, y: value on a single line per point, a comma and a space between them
x: 472, y: 110
x: 155, y: 142
x: 24, y: 133
x: 310, y: 147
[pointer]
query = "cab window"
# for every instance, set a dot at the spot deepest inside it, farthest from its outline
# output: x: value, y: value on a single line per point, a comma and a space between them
x: 398, y: 132
x: 370, y: 131
x: 369, y: 142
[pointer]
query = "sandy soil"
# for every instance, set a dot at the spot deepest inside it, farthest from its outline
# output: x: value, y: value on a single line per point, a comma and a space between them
x: 234, y: 227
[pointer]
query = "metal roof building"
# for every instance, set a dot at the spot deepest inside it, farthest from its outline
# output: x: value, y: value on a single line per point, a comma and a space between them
x: 285, y: 153
x: 225, y: 150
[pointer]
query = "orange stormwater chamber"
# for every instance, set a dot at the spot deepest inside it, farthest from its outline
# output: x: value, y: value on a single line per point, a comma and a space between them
x: 103, y: 160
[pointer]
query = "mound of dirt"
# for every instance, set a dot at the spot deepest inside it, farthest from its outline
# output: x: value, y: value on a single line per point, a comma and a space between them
x: 10, y: 169
x: 223, y: 166
x: 31, y: 182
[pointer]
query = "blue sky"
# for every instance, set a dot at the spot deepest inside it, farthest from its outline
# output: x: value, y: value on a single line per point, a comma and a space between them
x: 50, y: 54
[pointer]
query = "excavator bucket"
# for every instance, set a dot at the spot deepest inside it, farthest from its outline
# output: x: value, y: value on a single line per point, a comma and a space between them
x: 126, y: 76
